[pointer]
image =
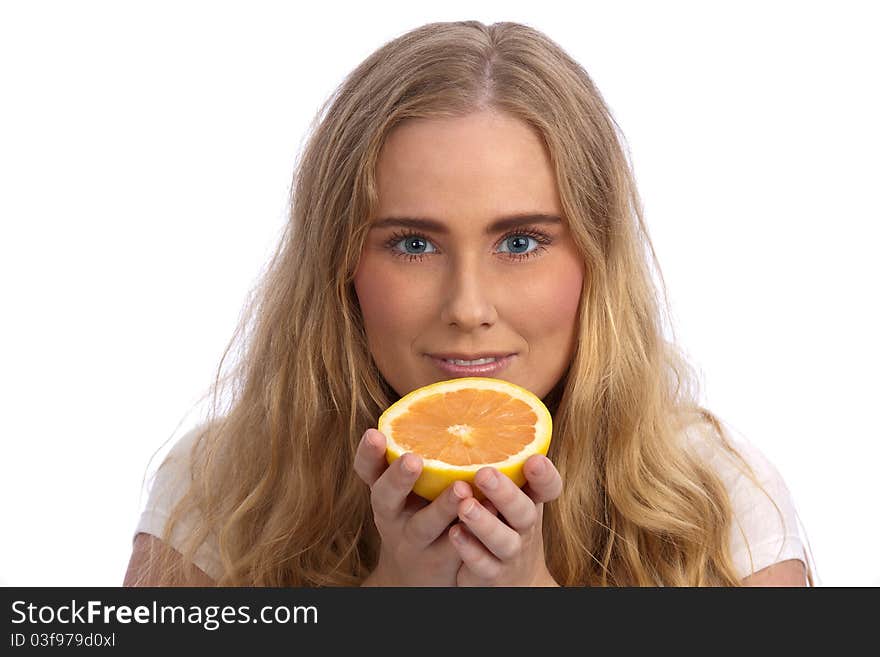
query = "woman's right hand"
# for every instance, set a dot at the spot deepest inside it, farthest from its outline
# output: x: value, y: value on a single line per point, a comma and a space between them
x: 416, y: 549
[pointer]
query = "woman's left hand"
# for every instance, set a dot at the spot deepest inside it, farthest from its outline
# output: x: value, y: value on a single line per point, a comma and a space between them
x: 511, y: 553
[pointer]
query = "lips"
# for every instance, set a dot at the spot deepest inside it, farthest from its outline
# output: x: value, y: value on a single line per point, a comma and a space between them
x: 458, y: 355
x: 446, y: 362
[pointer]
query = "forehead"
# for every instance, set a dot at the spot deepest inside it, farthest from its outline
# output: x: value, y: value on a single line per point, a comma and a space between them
x: 485, y: 164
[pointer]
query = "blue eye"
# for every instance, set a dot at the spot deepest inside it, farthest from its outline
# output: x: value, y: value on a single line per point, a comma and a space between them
x: 518, y: 244
x: 417, y: 243
x: 416, y: 247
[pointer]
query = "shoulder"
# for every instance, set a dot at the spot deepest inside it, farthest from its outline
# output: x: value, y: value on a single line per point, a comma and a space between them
x: 765, y: 528
x: 169, y: 485
x: 172, y: 478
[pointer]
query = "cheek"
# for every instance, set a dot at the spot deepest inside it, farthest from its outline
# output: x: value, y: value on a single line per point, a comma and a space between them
x: 550, y: 301
x: 388, y: 301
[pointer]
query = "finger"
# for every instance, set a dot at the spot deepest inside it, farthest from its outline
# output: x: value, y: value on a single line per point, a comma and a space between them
x: 487, y: 504
x: 428, y: 524
x: 414, y: 502
x: 369, y: 460
x: 517, y: 508
x: 500, y: 539
x: 543, y: 481
x: 391, y: 490
x: 479, y: 561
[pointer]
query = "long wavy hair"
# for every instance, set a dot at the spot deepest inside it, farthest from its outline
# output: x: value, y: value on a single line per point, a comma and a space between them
x: 273, y: 483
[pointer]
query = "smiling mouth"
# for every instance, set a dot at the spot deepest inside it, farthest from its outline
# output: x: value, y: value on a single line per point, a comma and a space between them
x: 472, y: 359
x: 478, y: 361
x: 481, y: 365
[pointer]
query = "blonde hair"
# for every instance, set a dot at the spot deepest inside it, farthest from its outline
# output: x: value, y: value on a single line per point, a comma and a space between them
x: 273, y: 482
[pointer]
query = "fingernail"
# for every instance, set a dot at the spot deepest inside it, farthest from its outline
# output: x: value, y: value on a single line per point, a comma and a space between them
x: 460, y: 490
x: 365, y: 438
x: 410, y: 463
x: 539, y: 466
x: 488, y: 480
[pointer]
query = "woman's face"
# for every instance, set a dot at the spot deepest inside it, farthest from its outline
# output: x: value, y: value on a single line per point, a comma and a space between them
x: 437, y: 278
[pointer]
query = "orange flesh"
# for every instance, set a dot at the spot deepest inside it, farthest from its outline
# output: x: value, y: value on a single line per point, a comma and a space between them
x: 464, y: 427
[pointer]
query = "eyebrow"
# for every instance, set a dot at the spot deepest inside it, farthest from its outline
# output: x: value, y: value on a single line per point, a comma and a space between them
x: 499, y: 225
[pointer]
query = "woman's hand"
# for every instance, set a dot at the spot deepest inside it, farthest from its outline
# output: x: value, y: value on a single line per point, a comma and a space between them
x: 415, y: 550
x: 495, y: 553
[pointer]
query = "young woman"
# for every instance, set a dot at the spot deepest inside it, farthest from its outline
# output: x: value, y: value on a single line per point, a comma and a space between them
x: 464, y: 195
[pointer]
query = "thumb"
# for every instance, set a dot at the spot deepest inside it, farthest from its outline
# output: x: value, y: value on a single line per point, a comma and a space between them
x: 544, y: 483
x: 369, y: 460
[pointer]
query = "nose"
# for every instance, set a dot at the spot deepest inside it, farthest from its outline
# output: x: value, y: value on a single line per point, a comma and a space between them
x: 468, y: 303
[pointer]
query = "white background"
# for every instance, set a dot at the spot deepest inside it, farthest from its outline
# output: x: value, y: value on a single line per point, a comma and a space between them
x: 146, y: 151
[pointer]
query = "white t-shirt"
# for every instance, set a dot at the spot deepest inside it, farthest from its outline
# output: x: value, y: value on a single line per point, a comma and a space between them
x: 758, y: 537
x: 170, y: 484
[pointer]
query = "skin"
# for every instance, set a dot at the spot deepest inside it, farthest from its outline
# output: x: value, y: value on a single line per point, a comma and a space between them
x: 468, y: 292
x: 792, y: 572
x: 464, y: 290
x: 420, y: 549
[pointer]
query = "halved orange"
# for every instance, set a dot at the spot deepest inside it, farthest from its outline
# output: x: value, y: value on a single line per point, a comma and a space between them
x: 461, y: 425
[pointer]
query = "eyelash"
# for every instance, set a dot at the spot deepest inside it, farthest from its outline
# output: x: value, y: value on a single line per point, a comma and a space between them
x: 542, y: 238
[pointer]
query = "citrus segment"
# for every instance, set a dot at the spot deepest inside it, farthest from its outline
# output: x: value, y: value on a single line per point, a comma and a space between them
x: 461, y: 425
